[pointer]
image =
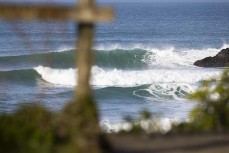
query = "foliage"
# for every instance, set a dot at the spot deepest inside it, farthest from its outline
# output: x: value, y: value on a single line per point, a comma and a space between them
x: 33, y: 129
x: 78, y: 125
x: 146, y: 123
x: 212, y: 110
x: 28, y: 130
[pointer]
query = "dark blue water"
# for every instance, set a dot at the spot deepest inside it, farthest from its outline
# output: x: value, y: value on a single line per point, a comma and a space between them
x: 142, y: 60
x: 176, y: 24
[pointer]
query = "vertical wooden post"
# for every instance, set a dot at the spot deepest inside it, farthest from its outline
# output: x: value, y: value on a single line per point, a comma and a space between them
x: 84, y: 58
x: 88, y: 138
x: 84, y: 55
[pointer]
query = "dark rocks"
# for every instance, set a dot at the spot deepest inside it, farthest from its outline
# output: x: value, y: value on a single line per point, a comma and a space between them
x: 220, y: 60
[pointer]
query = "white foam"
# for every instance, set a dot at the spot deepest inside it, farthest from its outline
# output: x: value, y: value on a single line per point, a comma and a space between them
x: 123, y: 78
x: 168, y: 56
x: 64, y: 77
x: 159, y: 124
x: 172, y: 58
x: 166, y: 91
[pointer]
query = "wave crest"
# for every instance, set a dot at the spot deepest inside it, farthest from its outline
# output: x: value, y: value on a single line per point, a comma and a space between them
x: 65, y: 77
x: 124, y: 78
x: 136, y: 57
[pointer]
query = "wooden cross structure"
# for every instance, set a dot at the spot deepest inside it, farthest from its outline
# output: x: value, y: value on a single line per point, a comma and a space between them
x: 86, y: 14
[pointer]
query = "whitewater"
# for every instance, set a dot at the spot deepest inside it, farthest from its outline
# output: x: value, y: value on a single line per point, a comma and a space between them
x: 160, y: 66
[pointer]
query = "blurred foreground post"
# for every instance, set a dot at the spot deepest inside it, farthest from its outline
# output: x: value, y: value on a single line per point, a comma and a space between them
x: 82, y: 110
x: 85, y: 107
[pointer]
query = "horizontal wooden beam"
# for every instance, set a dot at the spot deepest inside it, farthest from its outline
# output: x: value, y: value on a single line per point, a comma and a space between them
x: 65, y: 13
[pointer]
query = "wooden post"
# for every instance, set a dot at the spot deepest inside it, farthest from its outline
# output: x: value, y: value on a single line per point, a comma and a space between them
x: 84, y: 60
x: 90, y: 136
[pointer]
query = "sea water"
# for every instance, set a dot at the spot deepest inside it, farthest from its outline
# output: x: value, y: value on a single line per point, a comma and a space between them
x: 144, y: 60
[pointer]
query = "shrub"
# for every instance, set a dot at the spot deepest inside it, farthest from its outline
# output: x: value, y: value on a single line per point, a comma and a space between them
x: 28, y: 130
x: 212, y: 110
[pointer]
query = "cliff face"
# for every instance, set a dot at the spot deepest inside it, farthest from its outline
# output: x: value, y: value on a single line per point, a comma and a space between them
x: 220, y: 60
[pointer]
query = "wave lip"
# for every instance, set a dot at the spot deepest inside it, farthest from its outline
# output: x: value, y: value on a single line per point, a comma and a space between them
x: 57, y: 76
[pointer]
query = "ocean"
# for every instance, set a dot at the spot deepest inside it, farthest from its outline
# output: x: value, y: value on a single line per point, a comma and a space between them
x: 143, y: 60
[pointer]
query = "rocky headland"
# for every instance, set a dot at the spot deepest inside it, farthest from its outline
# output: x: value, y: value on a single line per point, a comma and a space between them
x: 220, y: 60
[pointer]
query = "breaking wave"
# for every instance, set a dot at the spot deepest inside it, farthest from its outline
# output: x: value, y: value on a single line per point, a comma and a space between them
x: 124, y: 78
x: 135, y: 57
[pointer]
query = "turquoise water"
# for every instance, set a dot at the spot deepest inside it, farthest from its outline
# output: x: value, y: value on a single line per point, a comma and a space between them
x: 142, y: 60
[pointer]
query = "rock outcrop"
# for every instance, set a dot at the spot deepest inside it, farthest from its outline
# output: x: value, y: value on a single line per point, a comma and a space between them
x: 220, y: 60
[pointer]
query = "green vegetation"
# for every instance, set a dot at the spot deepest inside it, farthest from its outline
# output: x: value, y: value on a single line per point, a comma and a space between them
x: 28, y: 130
x: 146, y: 123
x: 212, y: 110
x: 33, y: 129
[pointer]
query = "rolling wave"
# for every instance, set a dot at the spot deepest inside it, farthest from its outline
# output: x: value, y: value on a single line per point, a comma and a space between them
x: 62, y: 59
x: 123, y: 59
x: 137, y: 57
x: 126, y: 59
x: 19, y: 76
